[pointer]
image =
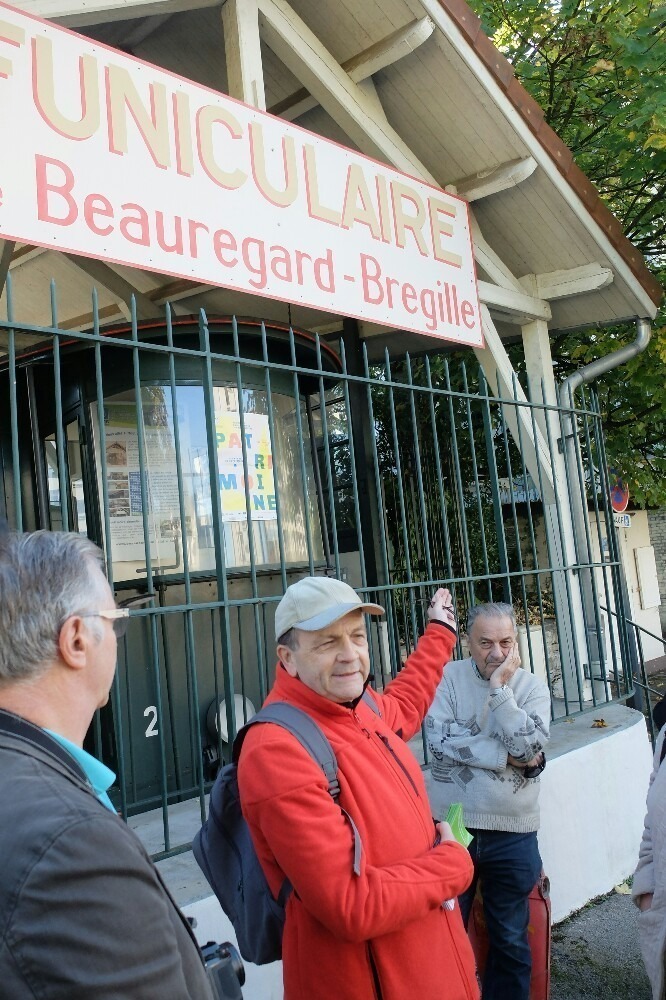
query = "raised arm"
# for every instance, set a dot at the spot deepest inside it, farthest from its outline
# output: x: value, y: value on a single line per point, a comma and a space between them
x: 408, y: 696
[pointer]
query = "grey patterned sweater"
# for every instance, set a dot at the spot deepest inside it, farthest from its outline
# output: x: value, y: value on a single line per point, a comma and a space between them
x: 470, y: 733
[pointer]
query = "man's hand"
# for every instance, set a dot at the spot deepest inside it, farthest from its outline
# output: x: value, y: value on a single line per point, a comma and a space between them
x: 440, y: 609
x: 504, y: 671
x: 446, y: 836
x: 535, y: 762
x: 644, y: 901
x: 445, y: 832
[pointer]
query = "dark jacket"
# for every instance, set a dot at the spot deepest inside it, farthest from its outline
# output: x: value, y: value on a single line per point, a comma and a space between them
x: 84, y: 914
x: 385, y: 933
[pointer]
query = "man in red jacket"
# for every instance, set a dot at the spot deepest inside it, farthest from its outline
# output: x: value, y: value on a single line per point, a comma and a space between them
x: 387, y: 927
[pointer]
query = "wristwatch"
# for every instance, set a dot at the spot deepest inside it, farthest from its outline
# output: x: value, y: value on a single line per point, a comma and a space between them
x: 502, y: 687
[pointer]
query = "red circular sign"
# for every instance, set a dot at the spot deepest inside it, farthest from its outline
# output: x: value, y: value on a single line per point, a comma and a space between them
x: 619, y: 494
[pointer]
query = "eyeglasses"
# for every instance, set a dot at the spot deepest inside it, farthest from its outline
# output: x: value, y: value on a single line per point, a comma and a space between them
x: 120, y: 616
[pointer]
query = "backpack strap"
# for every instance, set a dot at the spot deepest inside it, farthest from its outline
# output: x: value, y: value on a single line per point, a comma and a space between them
x: 370, y: 702
x: 304, y: 728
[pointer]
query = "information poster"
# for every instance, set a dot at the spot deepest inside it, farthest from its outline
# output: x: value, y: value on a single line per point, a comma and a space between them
x: 124, y: 491
x: 260, y: 480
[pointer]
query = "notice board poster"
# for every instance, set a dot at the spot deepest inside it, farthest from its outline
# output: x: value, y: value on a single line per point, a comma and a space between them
x: 124, y: 489
x: 259, y: 456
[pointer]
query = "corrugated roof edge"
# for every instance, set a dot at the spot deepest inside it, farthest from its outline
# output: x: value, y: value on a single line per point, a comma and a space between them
x: 559, y: 152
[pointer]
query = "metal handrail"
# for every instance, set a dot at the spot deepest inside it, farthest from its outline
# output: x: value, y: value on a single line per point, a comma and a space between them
x: 643, y: 683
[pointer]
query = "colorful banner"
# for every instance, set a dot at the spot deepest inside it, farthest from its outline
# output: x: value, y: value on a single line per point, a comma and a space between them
x: 260, y: 482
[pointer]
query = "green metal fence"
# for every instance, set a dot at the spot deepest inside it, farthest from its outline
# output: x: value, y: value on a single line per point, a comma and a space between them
x: 216, y: 460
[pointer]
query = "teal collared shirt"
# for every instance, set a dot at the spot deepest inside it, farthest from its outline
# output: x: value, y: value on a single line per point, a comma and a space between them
x: 99, y: 775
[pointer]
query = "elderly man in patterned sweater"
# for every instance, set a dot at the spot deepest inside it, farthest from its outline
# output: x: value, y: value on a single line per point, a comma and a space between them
x: 487, y: 729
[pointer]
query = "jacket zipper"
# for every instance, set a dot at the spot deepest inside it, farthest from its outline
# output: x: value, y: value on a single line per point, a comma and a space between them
x: 387, y: 747
x: 400, y: 764
x: 374, y: 973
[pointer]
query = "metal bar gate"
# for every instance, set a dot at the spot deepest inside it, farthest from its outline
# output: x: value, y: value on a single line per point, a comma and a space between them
x: 216, y: 460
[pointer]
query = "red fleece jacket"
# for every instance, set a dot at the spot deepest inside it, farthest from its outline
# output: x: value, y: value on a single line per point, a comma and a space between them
x: 385, y: 933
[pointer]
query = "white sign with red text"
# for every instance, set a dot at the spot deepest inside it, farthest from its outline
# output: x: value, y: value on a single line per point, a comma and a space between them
x: 113, y: 158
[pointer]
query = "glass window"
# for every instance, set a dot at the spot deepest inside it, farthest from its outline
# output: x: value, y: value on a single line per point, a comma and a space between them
x: 75, y: 501
x: 274, y: 480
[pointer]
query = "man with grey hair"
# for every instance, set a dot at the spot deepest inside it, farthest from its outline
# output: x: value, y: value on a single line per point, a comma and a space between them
x: 83, y: 911
x: 486, y: 730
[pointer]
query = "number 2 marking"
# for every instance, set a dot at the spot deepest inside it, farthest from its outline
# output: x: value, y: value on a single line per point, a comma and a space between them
x: 152, y: 725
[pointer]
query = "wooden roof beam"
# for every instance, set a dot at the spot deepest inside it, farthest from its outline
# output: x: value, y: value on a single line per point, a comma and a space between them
x: 74, y: 14
x: 6, y: 252
x: 389, y: 50
x: 140, y: 31
x: 242, y: 51
x: 512, y: 305
x: 565, y: 284
x: 305, y: 56
x: 501, y: 378
x: 491, y: 262
x: 178, y: 290
x: 25, y: 253
x: 362, y: 66
x: 172, y: 293
x: 487, y: 182
x: 118, y: 286
x: 105, y: 314
x: 524, y: 117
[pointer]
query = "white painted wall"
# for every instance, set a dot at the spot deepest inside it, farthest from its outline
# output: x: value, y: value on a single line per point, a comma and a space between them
x: 592, y: 811
x: 631, y: 539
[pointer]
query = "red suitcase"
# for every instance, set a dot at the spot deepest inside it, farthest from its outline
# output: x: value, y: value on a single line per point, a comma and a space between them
x: 538, y: 932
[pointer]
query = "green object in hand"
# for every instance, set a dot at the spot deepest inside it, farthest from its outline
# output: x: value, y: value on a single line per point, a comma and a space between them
x: 454, y: 818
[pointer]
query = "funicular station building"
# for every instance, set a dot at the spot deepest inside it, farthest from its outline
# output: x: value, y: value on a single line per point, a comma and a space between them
x: 262, y: 267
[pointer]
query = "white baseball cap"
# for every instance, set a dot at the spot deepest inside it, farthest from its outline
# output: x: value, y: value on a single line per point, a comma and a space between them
x: 317, y: 601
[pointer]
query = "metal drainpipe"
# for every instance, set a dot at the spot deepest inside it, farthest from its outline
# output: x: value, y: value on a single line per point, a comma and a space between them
x: 606, y: 364
x: 579, y: 515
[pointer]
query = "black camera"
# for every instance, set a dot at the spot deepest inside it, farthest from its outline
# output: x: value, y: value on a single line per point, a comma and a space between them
x: 226, y: 973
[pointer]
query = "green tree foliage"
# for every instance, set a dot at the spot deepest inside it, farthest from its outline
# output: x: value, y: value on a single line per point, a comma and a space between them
x: 597, y: 68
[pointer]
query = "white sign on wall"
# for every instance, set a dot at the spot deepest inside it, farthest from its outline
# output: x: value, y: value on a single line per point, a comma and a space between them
x: 113, y: 158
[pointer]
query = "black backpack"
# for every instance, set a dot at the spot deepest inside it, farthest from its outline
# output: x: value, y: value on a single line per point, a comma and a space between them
x: 224, y: 850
